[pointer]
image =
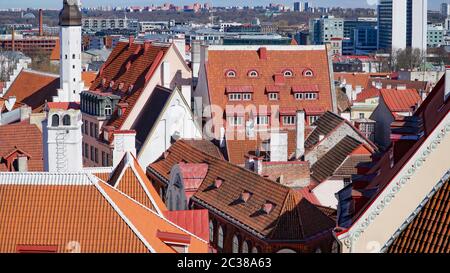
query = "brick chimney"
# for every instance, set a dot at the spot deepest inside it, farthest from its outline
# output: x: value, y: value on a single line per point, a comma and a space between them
x: 41, y: 22
x: 13, y: 37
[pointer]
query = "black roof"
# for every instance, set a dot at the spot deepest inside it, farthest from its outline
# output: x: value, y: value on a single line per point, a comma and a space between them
x: 70, y: 15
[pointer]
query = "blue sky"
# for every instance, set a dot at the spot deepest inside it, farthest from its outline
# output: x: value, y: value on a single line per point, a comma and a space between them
x: 433, y: 4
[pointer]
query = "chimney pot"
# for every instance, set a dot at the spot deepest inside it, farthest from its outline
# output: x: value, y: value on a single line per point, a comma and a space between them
x: 263, y: 53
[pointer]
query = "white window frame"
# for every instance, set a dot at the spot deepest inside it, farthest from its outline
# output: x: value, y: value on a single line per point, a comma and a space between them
x: 273, y: 96
x: 312, y: 119
x: 235, y: 120
x: 253, y: 74
x: 247, y: 96
x: 299, y: 96
x: 235, y: 248
x: 262, y: 120
x: 288, y: 73
x: 288, y: 120
x: 220, y: 238
x: 245, y: 247
x: 231, y: 74
x: 235, y: 96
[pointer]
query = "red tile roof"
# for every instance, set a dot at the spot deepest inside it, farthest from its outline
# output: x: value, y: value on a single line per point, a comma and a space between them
x: 25, y: 138
x: 129, y: 67
x: 34, y: 88
x: 400, y: 100
x: 368, y: 93
x: 276, y: 61
x: 431, y: 111
x: 429, y: 231
x: 292, y: 217
x: 358, y: 79
x: 194, y: 221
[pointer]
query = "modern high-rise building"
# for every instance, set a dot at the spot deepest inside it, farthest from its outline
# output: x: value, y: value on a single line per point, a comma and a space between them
x: 445, y: 9
x: 301, y: 6
x: 402, y: 24
x: 360, y: 36
x: 323, y: 30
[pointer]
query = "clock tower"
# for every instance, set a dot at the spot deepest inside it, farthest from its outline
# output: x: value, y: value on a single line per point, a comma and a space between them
x: 70, y: 24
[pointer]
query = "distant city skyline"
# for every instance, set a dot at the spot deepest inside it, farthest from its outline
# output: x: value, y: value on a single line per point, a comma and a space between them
x: 54, y: 4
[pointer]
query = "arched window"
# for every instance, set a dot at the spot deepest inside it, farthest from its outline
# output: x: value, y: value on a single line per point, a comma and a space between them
x: 66, y: 120
x: 253, y: 74
x: 235, y: 244
x: 308, y: 73
x: 288, y: 73
x: 211, y: 231
x: 231, y: 74
x: 335, y: 247
x: 286, y: 250
x: 254, y: 249
x: 220, y: 238
x: 244, y: 247
x: 55, y: 120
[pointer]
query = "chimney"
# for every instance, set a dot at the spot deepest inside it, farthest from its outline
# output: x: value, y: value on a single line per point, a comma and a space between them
x: 130, y: 40
x: 124, y: 142
x: 258, y: 164
x: 13, y: 37
x: 41, y: 22
x: 22, y: 161
x: 262, y: 53
x: 166, y: 74
x: 300, y: 142
x: 147, y: 45
x: 278, y: 146
x: 447, y: 83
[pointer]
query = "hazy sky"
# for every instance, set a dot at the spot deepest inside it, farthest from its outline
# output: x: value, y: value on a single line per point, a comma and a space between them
x: 433, y: 4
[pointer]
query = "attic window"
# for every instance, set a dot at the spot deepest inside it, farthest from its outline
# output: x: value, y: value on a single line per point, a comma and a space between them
x: 111, y: 84
x: 245, y: 196
x: 288, y: 73
x: 104, y: 81
x: 253, y: 74
x: 217, y: 183
x: 121, y: 85
x: 267, y: 207
x: 231, y: 74
x: 308, y: 73
x: 130, y: 89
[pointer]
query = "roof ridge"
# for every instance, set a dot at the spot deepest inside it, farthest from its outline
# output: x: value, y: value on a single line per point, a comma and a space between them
x: 45, y: 178
x: 29, y: 70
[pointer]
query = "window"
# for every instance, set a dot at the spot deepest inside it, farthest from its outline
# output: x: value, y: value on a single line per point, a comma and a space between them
x: 289, y: 120
x: 254, y: 249
x: 273, y: 96
x: 91, y: 129
x: 96, y: 131
x: 73, y: 56
x: 108, y: 110
x: 312, y: 119
x: 231, y: 74
x: 103, y: 159
x: 235, y: 96
x: 235, y: 244
x: 220, y: 238
x: 244, y: 247
x: 299, y: 96
x: 66, y: 120
x: 55, y: 120
x: 247, y: 96
x: 288, y: 73
x: 361, y: 115
x: 96, y: 155
x: 211, y: 231
x: 262, y: 120
x: 92, y: 153
x: 310, y: 96
x: 86, y: 127
x: 86, y: 150
x: 308, y: 73
x: 253, y: 74
x: 235, y: 121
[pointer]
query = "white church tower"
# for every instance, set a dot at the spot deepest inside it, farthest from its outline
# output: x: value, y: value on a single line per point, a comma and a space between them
x: 71, y: 83
x: 63, y: 151
x: 62, y: 137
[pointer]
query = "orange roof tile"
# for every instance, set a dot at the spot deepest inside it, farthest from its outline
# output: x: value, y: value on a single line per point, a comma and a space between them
x: 129, y: 67
x: 276, y: 61
x: 400, y: 100
x: 24, y: 137
x: 34, y: 88
x: 88, y: 77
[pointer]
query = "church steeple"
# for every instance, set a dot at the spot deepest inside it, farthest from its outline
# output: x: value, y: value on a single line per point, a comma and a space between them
x: 70, y: 15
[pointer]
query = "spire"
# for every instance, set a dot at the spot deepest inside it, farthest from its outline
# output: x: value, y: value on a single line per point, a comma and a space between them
x: 70, y: 15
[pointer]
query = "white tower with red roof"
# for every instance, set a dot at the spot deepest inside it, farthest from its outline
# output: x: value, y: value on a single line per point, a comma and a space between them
x: 71, y: 83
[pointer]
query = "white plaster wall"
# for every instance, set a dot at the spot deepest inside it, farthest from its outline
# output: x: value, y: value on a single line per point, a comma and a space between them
x: 325, y: 192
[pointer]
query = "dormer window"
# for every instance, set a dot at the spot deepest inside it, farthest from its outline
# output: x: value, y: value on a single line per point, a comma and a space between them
x: 253, y: 74
x: 55, y: 120
x: 267, y: 207
x: 288, y: 73
x: 111, y: 84
x: 121, y: 85
x: 308, y: 73
x: 247, y: 96
x: 273, y: 96
x: 108, y: 110
x: 234, y: 96
x: 231, y: 74
x: 217, y: 183
x: 245, y: 196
